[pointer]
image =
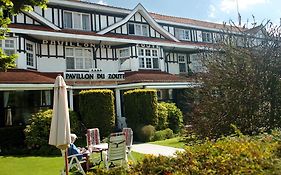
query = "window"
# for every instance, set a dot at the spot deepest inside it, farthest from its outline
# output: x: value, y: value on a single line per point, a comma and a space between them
x: 74, y: 20
x: 148, y: 58
x: 123, y: 53
x: 206, y: 37
x: 78, y: 58
x: 182, y: 34
x: 8, y: 46
x: 30, y: 54
x: 182, y: 63
x: 138, y: 29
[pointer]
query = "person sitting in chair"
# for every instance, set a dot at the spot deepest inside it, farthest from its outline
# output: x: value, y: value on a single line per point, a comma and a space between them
x: 73, y: 150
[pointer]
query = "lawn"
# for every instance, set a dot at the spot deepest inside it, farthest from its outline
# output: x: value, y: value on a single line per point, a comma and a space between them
x: 37, y: 165
x: 173, y: 142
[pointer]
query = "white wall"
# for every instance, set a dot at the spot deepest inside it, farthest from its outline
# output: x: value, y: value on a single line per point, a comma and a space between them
x: 53, y: 64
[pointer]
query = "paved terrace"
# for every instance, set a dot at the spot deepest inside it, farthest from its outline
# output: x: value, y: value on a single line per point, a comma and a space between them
x: 146, y: 148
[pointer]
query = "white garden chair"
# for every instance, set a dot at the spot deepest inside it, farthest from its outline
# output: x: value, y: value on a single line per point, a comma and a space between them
x: 129, y: 141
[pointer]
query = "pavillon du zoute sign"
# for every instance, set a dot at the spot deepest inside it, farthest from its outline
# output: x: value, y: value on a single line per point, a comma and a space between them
x: 88, y: 76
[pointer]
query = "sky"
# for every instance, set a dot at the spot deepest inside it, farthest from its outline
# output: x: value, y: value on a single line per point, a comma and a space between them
x: 219, y: 11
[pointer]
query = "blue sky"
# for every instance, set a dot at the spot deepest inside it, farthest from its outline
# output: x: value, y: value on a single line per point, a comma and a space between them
x: 210, y: 10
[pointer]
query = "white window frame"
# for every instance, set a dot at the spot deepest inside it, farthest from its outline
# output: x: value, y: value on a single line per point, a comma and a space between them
x: 10, y: 49
x: 123, y: 57
x: 207, y: 37
x: 183, y: 34
x: 84, y: 57
x: 184, y: 61
x: 30, y: 61
x: 146, y: 61
x: 143, y: 29
x: 81, y: 21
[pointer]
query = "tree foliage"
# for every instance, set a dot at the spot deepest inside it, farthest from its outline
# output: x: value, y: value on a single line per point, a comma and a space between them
x: 9, y: 8
x: 241, y: 85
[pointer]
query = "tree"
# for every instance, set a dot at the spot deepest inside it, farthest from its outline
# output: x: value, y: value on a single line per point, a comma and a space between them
x: 9, y: 8
x: 241, y: 85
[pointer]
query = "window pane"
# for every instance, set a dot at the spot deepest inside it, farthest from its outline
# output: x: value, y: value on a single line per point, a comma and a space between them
x: 86, y: 22
x: 155, y: 63
x: 29, y: 59
x: 138, y: 29
x: 141, y: 52
x: 144, y: 30
x: 147, y: 52
x: 67, y: 19
x: 154, y: 53
x: 79, y: 63
x: 148, y: 63
x: 9, y: 43
x: 9, y: 52
x: 182, y: 67
x: 29, y: 47
x: 69, y: 52
x: 69, y: 63
x: 77, y: 20
x: 88, y: 63
x: 131, y: 29
x: 78, y: 52
x: 141, y: 62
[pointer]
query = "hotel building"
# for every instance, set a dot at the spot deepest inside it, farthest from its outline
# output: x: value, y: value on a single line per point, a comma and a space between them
x: 98, y: 47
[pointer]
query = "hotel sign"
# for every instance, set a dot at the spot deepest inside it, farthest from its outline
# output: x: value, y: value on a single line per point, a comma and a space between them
x: 75, y: 44
x: 89, y: 76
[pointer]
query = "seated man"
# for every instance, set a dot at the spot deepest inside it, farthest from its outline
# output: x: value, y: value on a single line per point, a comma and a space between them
x: 72, y: 150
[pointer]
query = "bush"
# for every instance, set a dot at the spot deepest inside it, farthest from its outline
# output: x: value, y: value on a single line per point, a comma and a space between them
x: 97, y: 110
x: 140, y: 107
x: 146, y: 133
x: 175, y: 118
x: 229, y: 155
x: 37, y: 133
x: 162, y: 117
x: 163, y: 134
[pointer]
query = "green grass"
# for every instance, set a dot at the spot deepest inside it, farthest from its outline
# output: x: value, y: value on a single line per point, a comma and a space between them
x: 173, y: 142
x: 38, y: 165
x: 30, y: 165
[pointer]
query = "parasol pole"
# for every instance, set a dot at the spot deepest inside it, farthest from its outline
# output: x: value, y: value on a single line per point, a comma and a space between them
x: 66, y: 162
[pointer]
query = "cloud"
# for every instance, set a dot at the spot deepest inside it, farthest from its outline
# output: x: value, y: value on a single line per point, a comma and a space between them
x: 230, y: 5
x: 212, y: 11
x: 102, y: 2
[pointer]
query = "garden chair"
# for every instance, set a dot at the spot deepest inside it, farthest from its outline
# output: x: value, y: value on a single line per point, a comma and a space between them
x: 129, y: 141
x: 74, y: 162
x: 93, y: 138
x: 116, y: 153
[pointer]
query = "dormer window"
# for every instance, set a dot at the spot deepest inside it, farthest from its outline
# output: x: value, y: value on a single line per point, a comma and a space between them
x: 182, y: 34
x: 138, y: 29
x: 75, y: 20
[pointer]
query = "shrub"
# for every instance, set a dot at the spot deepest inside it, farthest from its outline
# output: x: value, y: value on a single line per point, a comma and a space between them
x: 229, y: 155
x: 37, y: 133
x: 162, y: 117
x: 140, y: 107
x: 163, y: 134
x: 97, y: 110
x: 175, y: 118
x: 146, y: 133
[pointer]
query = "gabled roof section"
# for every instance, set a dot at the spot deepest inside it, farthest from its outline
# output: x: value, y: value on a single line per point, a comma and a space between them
x: 140, y: 9
x: 42, y: 20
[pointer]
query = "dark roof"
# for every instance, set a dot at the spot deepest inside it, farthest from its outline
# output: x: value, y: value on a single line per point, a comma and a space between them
x: 152, y: 77
x: 22, y: 76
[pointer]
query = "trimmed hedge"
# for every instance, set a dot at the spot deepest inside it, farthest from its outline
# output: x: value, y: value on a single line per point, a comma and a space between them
x: 163, y: 134
x: 97, y: 110
x: 162, y: 117
x: 175, y: 117
x: 140, y: 107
